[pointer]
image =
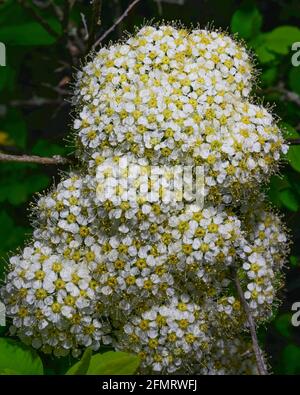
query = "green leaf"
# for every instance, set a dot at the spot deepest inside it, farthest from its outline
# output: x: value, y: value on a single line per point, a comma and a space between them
x: 246, y: 22
x: 289, y: 199
x: 291, y: 359
x: 288, y: 130
x: 15, y: 127
x: 29, y: 33
x: 281, y: 39
x: 293, y: 156
x: 294, y: 261
x: 44, y: 148
x: 11, y: 13
x: 262, y: 52
x: 20, y: 187
x: 294, y: 79
x: 283, y: 324
x: 277, y: 41
x: 7, y: 78
x: 18, y: 358
x: 11, y: 235
x: 113, y: 363
x: 269, y: 76
x: 276, y: 185
x: 82, y: 366
x: 8, y: 372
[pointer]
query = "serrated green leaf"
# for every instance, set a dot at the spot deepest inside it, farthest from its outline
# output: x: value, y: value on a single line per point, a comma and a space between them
x: 113, y: 363
x: 16, y: 357
x: 246, y: 22
x: 82, y: 366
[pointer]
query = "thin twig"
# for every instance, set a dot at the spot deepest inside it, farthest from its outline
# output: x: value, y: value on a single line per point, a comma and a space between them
x: 57, y: 10
x: 57, y: 89
x: 66, y: 14
x: 39, y: 18
x: 85, y: 27
x: 290, y: 96
x: 96, y: 21
x: 41, y: 3
x: 159, y: 7
x: 54, y: 160
x: 294, y: 141
x: 117, y: 22
x: 262, y: 370
x: 117, y: 13
x: 36, y: 102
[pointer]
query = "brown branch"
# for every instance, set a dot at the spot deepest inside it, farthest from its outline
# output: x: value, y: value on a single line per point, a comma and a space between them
x: 294, y: 141
x: 85, y: 27
x: 56, y: 9
x: 117, y: 22
x: 39, y: 18
x: 36, y: 102
x: 118, y: 11
x: 262, y: 370
x: 290, y: 96
x: 65, y: 18
x: 54, y: 160
x: 96, y: 11
x: 57, y: 89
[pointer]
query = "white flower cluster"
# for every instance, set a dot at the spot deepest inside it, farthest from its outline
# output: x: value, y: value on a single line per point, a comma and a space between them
x: 178, y: 335
x: 156, y: 277
x: 179, y: 97
x: 53, y: 304
x: 230, y: 357
x: 263, y: 258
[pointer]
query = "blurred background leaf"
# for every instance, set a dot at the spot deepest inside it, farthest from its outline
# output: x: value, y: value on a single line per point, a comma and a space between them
x: 246, y: 21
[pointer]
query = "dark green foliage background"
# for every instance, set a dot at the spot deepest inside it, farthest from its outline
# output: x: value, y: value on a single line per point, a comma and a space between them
x: 36, y: 61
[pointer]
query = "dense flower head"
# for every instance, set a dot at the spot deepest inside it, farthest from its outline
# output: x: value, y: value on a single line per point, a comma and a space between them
x: 177, y: 335
x: 117, y: 259
x: 263, y: 258
x: 174, y: 96
x: 52, y: 302
x: 231, y: 357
